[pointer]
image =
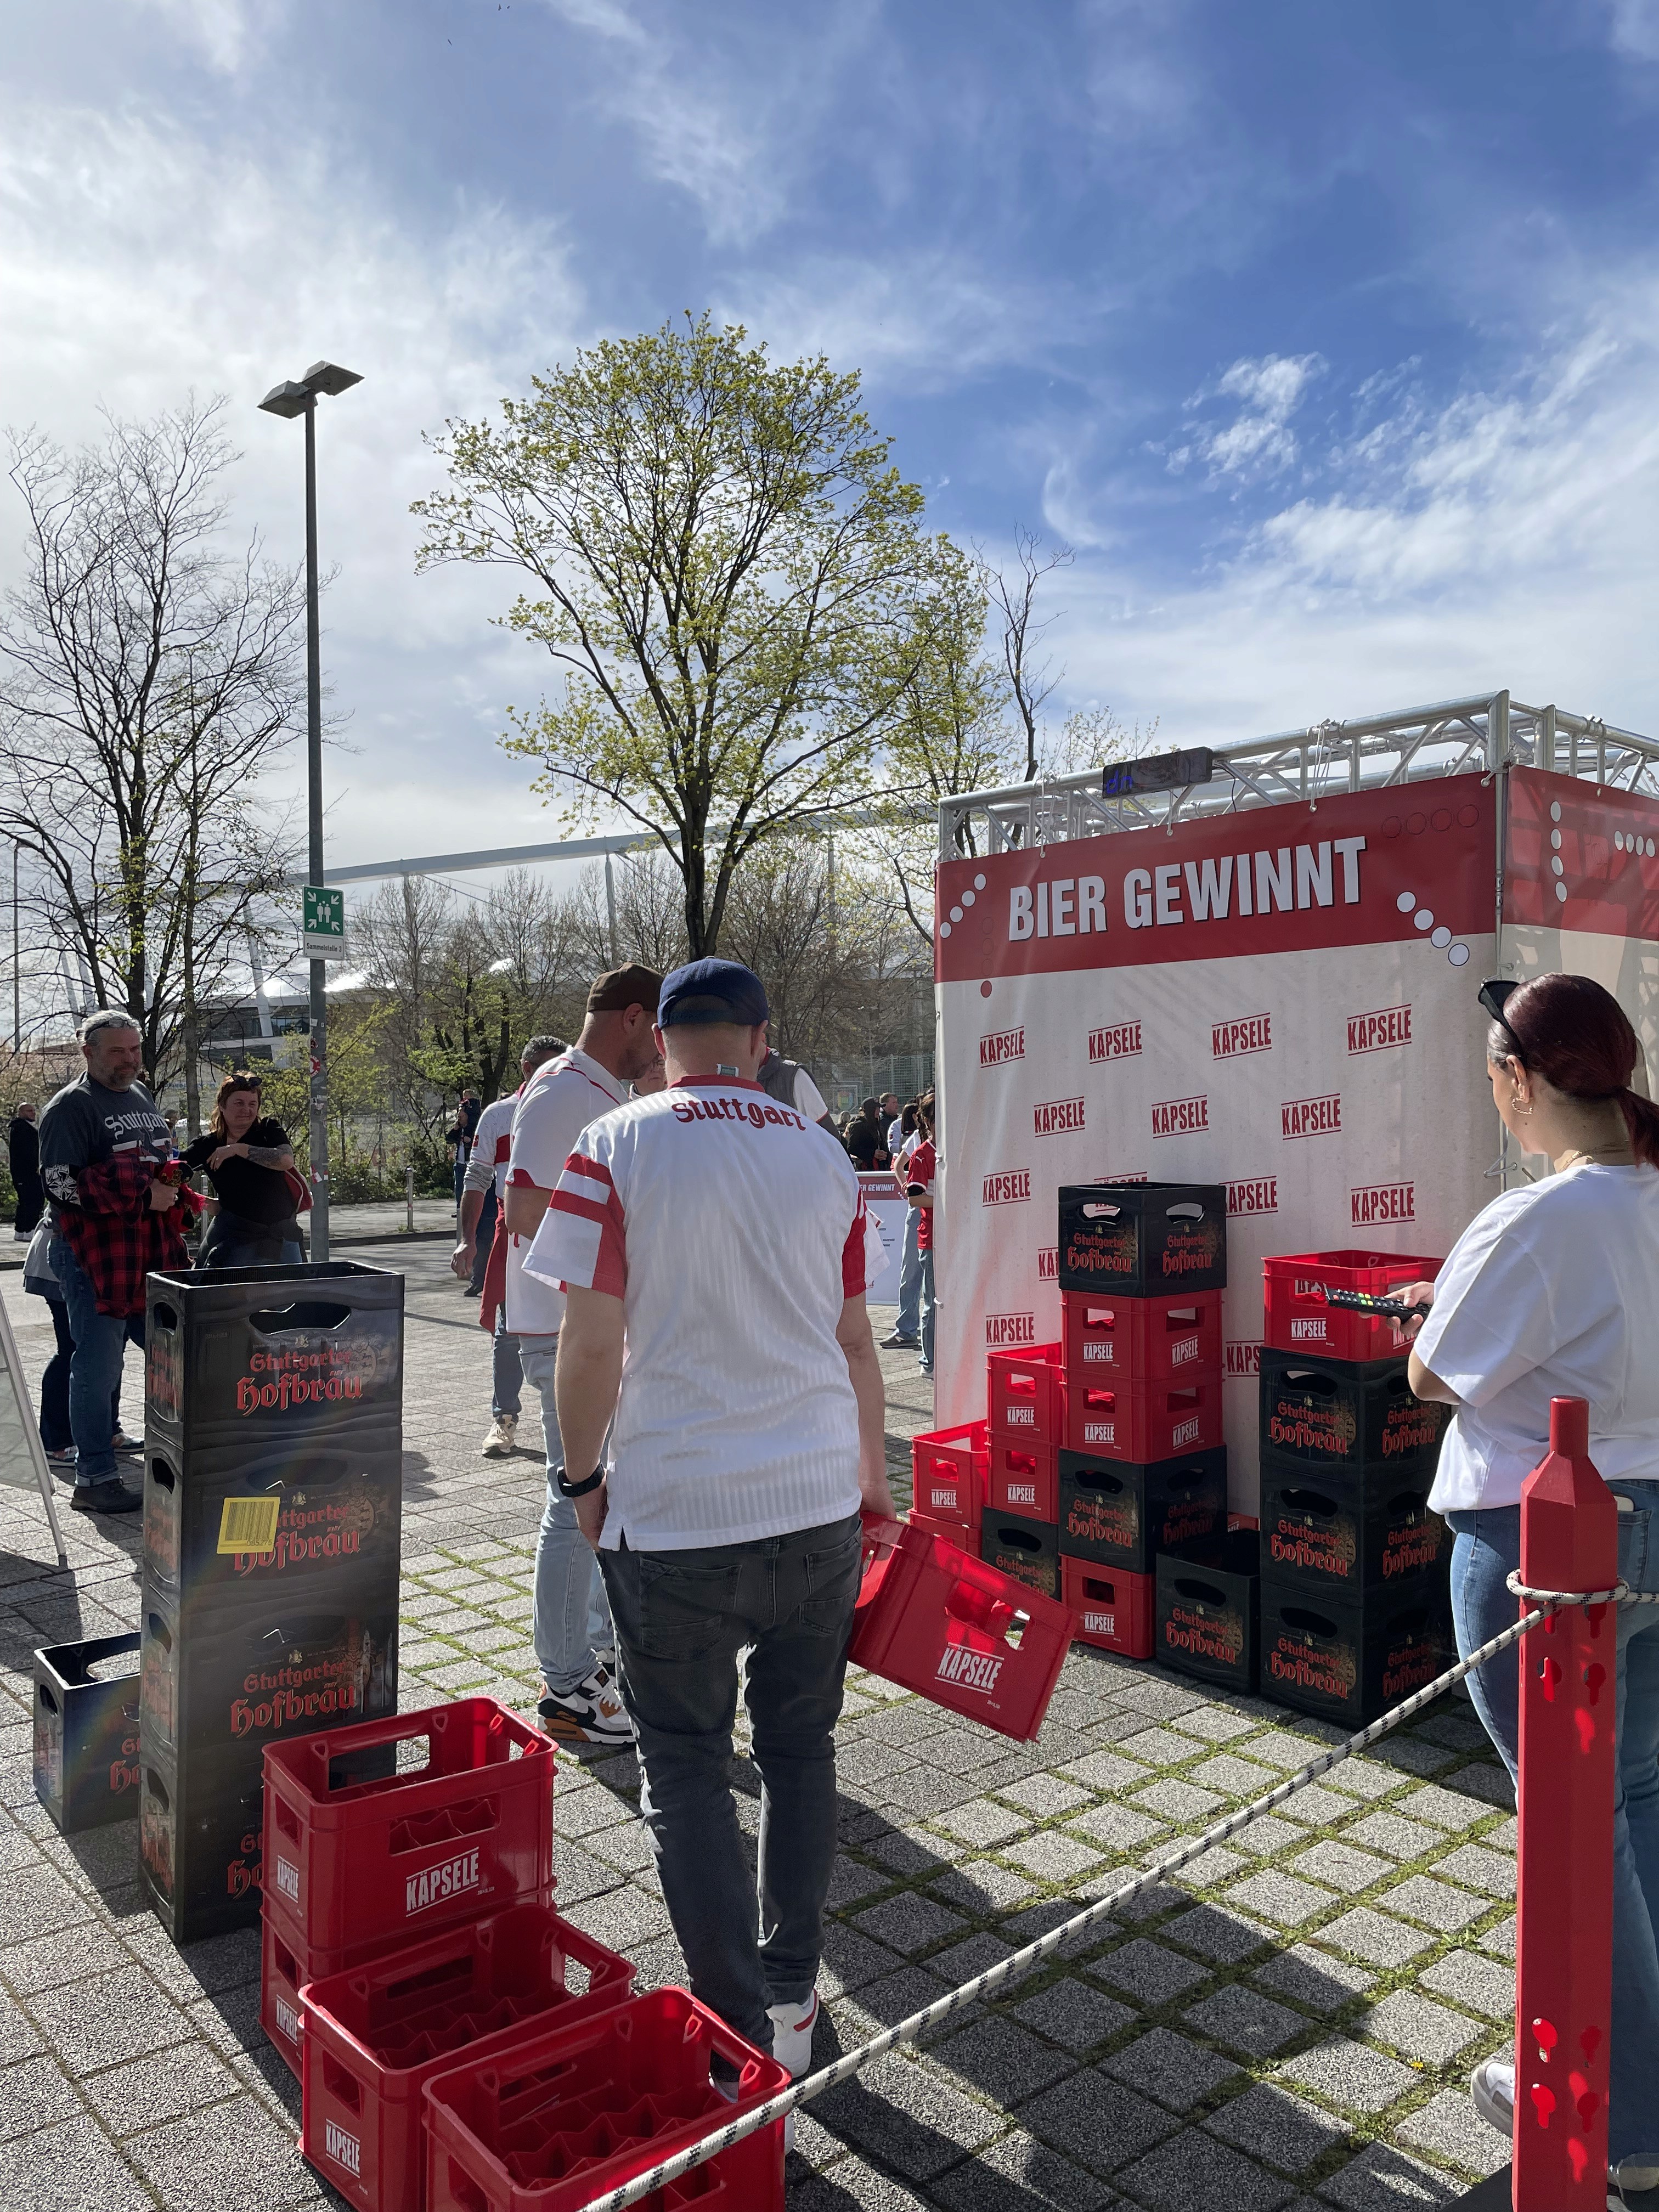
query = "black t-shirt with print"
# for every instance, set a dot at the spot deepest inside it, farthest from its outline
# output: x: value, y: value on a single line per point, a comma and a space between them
x: 87, y: 1123
x: 243, y: 1187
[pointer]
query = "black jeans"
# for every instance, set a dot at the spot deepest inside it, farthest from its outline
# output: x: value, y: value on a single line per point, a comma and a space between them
x: 683, y: 1618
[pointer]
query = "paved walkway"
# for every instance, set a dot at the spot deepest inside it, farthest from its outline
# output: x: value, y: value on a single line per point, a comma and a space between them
x: 1289, y: 2026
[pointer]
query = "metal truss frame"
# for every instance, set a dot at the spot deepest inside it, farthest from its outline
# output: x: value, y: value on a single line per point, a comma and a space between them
x: 1456, y: 737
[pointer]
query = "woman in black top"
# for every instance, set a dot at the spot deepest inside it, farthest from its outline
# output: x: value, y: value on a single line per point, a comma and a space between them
x: 248, y: 1159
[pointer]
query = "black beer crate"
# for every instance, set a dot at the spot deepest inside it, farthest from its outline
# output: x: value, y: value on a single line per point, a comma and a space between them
x: 1123, y: 1515
x: 1144, y: 1240
x: 201, y: 1839
x: 1332, y: 1529
x: 258, y: 1356
x: 1345, y: 1413
x: 86, y: 1731
x: 1349, y: 1658
x: 1028, y: 1550
x: 269, y: 1667
x: 294, y: 1520
x: 1206, y: 1611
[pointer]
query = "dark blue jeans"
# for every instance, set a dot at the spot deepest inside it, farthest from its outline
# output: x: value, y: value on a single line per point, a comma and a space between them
x: 682, y: 1620
x: 100, y: 1343
x: 1487, y: 1549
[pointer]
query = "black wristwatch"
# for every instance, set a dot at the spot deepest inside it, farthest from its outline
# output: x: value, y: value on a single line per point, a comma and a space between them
x: 568, y: 1489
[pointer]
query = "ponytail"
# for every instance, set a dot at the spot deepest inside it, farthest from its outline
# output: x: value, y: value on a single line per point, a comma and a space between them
x: 1577, y: 1037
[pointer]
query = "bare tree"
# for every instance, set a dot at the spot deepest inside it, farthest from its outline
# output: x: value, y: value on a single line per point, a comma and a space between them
x: 149, y: 679
x: 1031, y: 680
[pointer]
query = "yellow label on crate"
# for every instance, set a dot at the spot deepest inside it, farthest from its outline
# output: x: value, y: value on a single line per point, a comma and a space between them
x: 249, y: 1524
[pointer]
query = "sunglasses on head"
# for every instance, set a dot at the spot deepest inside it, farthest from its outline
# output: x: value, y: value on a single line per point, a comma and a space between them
x: 1494, y: 995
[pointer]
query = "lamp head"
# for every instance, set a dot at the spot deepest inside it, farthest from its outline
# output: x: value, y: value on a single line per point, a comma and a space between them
x: 287, y: 398
x: 328, y: 379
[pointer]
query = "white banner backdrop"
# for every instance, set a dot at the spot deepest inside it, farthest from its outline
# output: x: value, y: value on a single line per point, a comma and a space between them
x: 1281, y: 1000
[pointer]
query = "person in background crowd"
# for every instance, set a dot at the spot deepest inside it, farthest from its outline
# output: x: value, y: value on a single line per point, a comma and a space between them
x: 654, y: 1079
x: 891, y: 1126
x: 921, y: 1176
x: 25, y: 1160
x: 865, y: 1134
x: 459, y: 1137
x: 716, y: 1251
x: 906, y: 1330
x: 788, y: 1081
x: 1552, y: 1292
x: 480, y: 1195
x: 570, y: 1622
x: 57, y: 1438
x: 250, y: 1163
x: 101, y: 1144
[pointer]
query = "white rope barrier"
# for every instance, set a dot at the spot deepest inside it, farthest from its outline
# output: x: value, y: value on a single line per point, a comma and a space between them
x: 1020, y: 1963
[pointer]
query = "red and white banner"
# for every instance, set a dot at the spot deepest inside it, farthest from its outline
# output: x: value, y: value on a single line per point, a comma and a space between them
x: 1282, y: 1000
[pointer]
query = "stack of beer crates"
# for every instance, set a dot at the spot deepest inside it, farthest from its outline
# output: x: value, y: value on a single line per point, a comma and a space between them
x: 1142, y: 1469
x: 1355, y: 1601
x: 1025, y: 1429
x: 273, y: 1494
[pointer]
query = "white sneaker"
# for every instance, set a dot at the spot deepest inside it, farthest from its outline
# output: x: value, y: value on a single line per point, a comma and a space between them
x: 498, y: 1444
x: 1491, y: 2085
x: 590, y: 1713
x: 792, y: 2034
x: 1630, y: 2179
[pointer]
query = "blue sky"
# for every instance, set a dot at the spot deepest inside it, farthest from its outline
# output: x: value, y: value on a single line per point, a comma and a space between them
x: 1326, y: 336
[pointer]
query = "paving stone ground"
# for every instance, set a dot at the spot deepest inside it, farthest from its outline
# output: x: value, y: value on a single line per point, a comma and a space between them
x: 1289, y: 2024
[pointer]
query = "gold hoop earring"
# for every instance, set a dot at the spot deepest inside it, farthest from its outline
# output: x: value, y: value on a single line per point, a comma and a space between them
x: 1515, y: 1107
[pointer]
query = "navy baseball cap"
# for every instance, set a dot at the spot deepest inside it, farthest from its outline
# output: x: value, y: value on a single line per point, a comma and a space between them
x: 712, y: 991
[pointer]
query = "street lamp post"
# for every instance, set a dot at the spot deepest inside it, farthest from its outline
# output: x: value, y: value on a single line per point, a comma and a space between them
x: 290, y: 399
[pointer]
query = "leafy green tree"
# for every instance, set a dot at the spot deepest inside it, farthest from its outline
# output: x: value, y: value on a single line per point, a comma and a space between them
x: 727, y: 572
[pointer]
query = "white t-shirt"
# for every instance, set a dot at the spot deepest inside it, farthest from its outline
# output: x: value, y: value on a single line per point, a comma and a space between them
x: 557, y: 1103
x: 492, y: 1147
x: 733, y: 1231
x: 1552, y: 1292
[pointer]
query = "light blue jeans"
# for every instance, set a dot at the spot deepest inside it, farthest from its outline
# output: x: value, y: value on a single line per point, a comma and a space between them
x: 1487, y: 1549
x: 570, y: 1623
x: 100, y: 1343
x: 928, y: 1309
x: 910, y: 1312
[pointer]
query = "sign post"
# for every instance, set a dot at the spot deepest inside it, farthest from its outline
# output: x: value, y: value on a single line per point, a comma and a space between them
x: 322, y: 923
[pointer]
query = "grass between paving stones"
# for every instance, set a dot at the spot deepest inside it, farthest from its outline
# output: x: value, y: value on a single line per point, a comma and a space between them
x: 1036, y: 1806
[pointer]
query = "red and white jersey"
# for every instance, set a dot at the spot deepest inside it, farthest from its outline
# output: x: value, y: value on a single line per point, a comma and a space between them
x: 492, y: 1147
x: 733, y: 1231
x: 557, y: 1103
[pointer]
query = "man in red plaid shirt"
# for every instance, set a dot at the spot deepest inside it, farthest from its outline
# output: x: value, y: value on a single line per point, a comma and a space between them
x: 104, y: 1155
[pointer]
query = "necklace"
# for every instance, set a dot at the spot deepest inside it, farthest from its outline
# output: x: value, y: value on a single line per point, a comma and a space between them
x: 1591, y: 1153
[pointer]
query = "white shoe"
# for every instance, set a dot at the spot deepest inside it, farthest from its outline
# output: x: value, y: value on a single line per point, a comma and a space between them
x: 1491, y: 2085
x: 792, y: 2034
x: 1630, y: 2179
x: 592, y: 1713
x: 498, y: 1444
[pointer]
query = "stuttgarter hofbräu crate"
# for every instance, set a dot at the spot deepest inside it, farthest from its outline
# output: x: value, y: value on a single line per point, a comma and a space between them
x: 1122, y: 1514
x: 1330, y: 1529
x: 1206, y: 1621
x: 1143, y: 1240
x: 86, y: 1731
x: 376, y: 2034
x: 399, y: 1856
x: 956, y: 1630
x: 1296, y: 1318
x: 1334, y: 1412
x: 1347, y: 1657
x: 1112, y: 1608
x: 561, y: 2117
x: 1025, y: 1551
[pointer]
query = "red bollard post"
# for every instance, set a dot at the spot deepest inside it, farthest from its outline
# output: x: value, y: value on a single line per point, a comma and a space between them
x: 1563, y: 1910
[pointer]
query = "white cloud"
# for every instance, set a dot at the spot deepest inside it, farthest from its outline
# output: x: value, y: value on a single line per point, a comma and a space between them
x: 1633, y: 28
x: 1259, y: 441
x: 223, y: 31
x: 139, y: 264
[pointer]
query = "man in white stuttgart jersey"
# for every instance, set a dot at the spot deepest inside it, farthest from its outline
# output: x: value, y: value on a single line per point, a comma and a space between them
x: 570, y: 1623
x: 486, y: 1175
x: 715, y: 1252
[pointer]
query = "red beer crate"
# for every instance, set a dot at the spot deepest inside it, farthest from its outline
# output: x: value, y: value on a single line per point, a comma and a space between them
x: 1113, y: 1610
x: 1025, y: 1392
x: 1297, y: 1319
x: 1110, y: 1339
x: 561, y: 2117
x: 1145, y: 1421
x: 948, y: 1469
x: 376, y: 2035
x: 1023, y: 1478
x: 956, y: 1630
x: 396, y: 1858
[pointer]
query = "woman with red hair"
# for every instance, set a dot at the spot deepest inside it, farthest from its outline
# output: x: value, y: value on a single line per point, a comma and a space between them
x: 1553, y: 1292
